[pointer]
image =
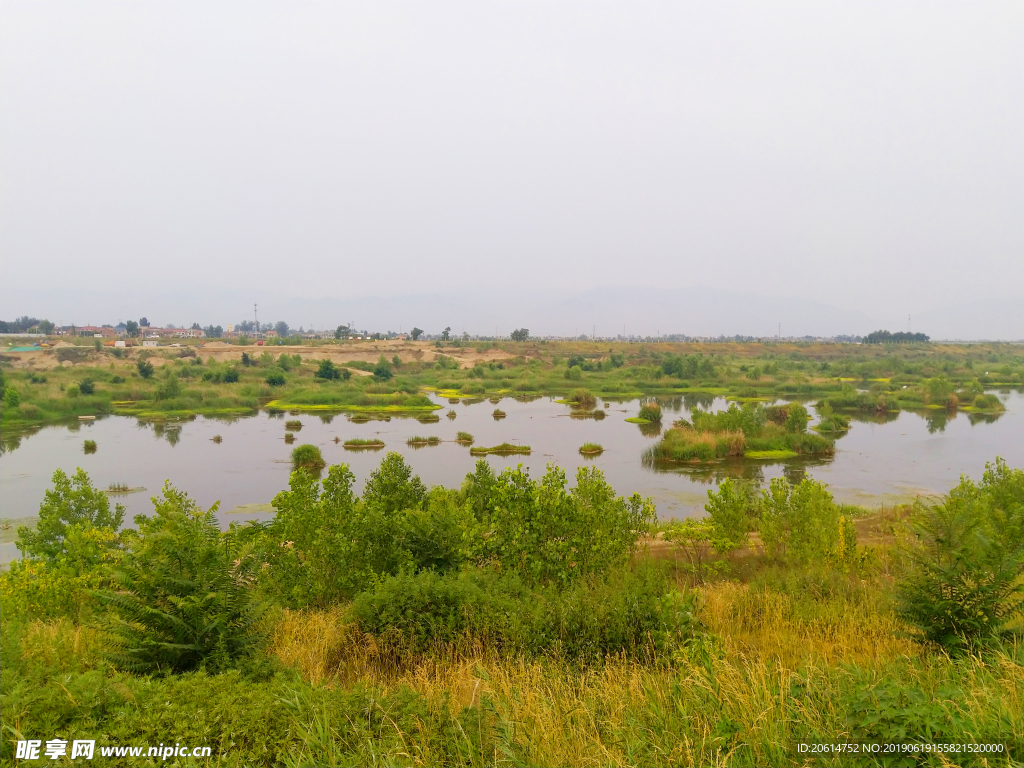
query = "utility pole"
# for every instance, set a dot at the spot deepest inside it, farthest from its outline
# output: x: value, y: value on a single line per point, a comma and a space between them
x: 779, y: 337
x: 256, y: 319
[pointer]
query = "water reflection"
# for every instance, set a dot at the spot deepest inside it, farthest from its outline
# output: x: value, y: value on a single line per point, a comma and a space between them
x: 653, y: 429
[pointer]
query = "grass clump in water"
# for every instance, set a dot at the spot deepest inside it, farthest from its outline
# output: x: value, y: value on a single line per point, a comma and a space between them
x: 498, y: 414
x: 591, y: 449
x: 293, y: 425
x: 358, y: 443
x: 650, y: 411
x: 464, y: 437
x: 308, y: 457
x: 505, y: 449
x: 89, y: 446
x: 417, y: 440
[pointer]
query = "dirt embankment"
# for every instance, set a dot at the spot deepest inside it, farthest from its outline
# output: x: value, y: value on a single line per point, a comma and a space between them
x: 367, y: 352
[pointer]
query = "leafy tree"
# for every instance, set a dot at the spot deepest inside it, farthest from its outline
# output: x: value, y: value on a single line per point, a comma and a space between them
x: 72, y: 503
x: 144, y: 322
x: 520, y: 334
x: 131, y: 328
x: 802, y: 523
x: 393, y: 487
x: 966, y: 561
x: 45, y: 326
x: 341, y: 331
x: 145, y: 368
x: 551, y: 534
x: 729, y: 512
x: 327, y: 371
x: 182, y: 603
x: 796, y: 420
x: 213, y: 331
x: 324, y: 545
x: 416, y: 333
x: 446, y: 333
x: 282, y: 329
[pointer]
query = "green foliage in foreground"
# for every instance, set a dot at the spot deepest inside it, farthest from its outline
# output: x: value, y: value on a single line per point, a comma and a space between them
x: 627, y: 612
x: 553, y: 659
x: 72, y: 506
x: 180, y: 602
x: 967, y: 577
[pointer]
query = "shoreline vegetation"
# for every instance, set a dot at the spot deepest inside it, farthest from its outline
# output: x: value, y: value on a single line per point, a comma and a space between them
x: 869, y: 380
x: 526, y: 620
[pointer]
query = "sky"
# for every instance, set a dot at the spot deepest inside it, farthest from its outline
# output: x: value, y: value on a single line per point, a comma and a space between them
x: 677, y: 167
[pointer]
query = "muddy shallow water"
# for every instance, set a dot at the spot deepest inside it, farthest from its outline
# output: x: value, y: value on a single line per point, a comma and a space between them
x: 875, y: 463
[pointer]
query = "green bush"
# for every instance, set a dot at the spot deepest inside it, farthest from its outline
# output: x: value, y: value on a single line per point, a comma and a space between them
x: 327, y: 371
x: 324, y: 545
x: 802, y: 522
x: 651, y: 411
x: 307, y: 456
x: 86, y: 386
x: 551, y: 534
x: 964, y: 586
x: 276, y: 378
x: 72, y: 504
x: 181, y: 603
x: 731, y: 511
x: 626, y: 612
x: 145, y: 368
x: 231, y: 375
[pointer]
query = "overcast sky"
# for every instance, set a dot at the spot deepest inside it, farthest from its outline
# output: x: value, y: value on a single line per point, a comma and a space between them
x: 488, y: 160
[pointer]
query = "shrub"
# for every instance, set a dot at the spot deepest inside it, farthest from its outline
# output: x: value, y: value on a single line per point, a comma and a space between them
x: 382, y: 371
x: 964, y: 583
x: 276, y: 378
x: 169, y: 388
x: 86, y: 386
x: 324, y: 545
x: 631, y: 613
x: 801, y: 522
x: 73, y: 504
x: 393, y: 486
x: 650, y: 411
x: 582, y: 398
x: 327, y: 371
x: 550, y: 533
x: 796, y: 419
x: 231, y: 375
x: 307, y: 456
x: 574, y: 373
x: 145, y: 368
x: 730, y: 511
x: 181, y: 603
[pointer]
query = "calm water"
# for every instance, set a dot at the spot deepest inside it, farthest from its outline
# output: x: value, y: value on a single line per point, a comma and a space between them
x: 874, y: 463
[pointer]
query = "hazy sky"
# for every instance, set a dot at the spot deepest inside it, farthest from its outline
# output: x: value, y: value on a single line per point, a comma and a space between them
x: 184, y: 159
